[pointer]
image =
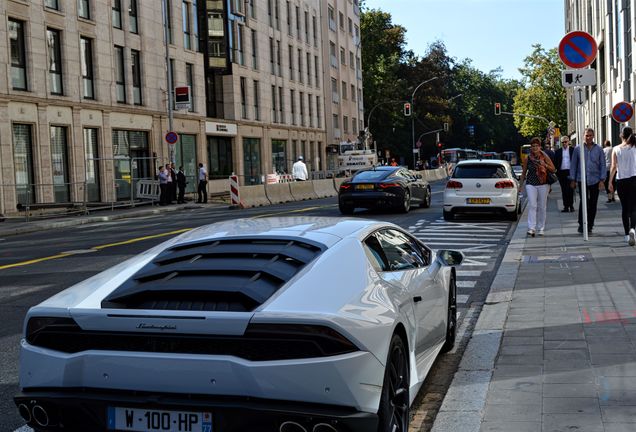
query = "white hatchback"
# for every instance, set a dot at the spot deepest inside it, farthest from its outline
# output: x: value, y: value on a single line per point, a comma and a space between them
x: 482, y: 186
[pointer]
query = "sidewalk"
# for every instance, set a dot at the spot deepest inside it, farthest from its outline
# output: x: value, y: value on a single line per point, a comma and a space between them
x: 554, y: 348
x: 20, y: 226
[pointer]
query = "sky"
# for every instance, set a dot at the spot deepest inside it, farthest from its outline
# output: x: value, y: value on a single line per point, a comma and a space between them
x: 493, y: 33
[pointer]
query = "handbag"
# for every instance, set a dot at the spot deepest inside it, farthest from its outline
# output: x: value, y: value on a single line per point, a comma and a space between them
x: 552, y: 178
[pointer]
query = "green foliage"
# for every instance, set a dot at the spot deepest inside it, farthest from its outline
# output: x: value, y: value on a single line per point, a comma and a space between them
x: 542, y: 93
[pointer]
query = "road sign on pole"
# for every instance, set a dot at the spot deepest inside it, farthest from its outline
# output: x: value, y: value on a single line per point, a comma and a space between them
x: 579, y: 96
x: 577, y: 49
x: 622, y: 112
x: 172, y: 137
x: 578, y: 77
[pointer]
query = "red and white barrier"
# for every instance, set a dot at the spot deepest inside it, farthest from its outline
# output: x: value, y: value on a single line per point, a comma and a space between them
x: 234, y: 191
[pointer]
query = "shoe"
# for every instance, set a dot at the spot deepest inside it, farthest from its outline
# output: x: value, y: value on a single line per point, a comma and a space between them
x: 571, y: 209
x: 565, y: 210
x: 610, y: 200
x: 531, y: 232
x: 540, y: 232
x: 580, y: 230
x: 632, y: 237
x: 627, y: 238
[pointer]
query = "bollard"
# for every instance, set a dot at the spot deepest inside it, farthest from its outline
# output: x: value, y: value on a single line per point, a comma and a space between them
x: 234, y: 192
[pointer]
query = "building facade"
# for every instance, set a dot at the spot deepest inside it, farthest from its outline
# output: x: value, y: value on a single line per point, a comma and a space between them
x: 344, y: 110
x: 84, y: 101
x: 611, y: 23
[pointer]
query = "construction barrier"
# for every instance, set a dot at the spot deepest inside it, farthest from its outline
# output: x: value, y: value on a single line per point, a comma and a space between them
x: 324, y: 188
x: 278, y: 193
x: 148, y: 189
x: 253, y: 196
x: 235, y: 198
x: 302, y: 190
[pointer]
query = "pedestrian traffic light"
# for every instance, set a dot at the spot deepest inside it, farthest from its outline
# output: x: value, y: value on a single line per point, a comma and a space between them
x: 497, y: 108
x: 407, y: 109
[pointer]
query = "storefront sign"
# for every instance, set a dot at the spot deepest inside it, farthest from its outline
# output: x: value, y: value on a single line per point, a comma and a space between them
x: 214, y: 128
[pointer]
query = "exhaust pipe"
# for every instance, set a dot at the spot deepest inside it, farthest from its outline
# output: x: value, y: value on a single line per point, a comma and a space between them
x: 290, y: 426
x: 40, y: 416
x: 324, y: 427
x: 24, y: 412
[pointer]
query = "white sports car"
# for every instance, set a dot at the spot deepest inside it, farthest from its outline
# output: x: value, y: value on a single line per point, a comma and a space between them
x: 281, y: 324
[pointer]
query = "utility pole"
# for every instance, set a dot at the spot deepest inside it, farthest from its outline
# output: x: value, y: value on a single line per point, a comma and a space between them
x: 166, y: 37
x: 413, y: 117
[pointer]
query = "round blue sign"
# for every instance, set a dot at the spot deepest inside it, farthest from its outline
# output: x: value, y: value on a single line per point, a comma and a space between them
x: 622, y: 112
x: 172, y: 137
x: 577, y: 49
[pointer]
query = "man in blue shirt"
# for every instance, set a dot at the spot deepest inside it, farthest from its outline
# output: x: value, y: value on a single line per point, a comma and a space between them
x: 595, y: 176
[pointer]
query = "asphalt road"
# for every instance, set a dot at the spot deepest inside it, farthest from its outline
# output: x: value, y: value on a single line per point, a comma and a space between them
x: 50, y: 261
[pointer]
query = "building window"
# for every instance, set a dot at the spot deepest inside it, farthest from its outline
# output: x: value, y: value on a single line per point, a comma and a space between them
x: 308, y: 69
x: 132, y: 15
x: 127, y: 145
x: 117, y: 14
x: 190, y: 83
x: 169, y: 20
x: 91, y: 149
x: 240, y: 52
x: 318, y: 113
x: 332, y: 55
x: 292, y: 100
x: 237, y: 7
x: 86, y: 64
x: 354, y: 125
x: 332, y: 18
x: 257, y: 102
x: 172, y: 75
x: 276, y: 14
x: 352, y: 62
x: 185, y: 12
x: 23, y: 164
x: 344, y: 91
x: 243, y: 98
x: 83, y: 9
x: 353, y: 92
x: 316, y: 75
x: 289, y: 18
x: 345, y: 124
x: 274, y: 107
x: 269, y: 13
x: 302, y: 108
x: 281, y: 105
x: 300, y: 66
x: 298, y: 22
x: 350, y: 26
x: 52, y: 4
x: 341, y: 19
x: 310, y: 110
x: 306, y: 27
x: 252, y: 171
x: 343, y: 56
x: 120, y: 74
x: 335, y: 122
x: 291, y: 62
x: 279, y: 156
x: 252, y: 9
x: 271, y: 55
x: 135, y: 59
x: 59, y: 164
x: 335, y: 97
x: 279, y: 54
x: 55, y: 61
x: 315, y: 31
x: 18, y: 55
x: 195, y: 26
x: 219, y: 157
x: 254, y: 50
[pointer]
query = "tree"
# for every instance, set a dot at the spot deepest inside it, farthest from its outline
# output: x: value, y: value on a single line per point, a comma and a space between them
x: 542, y: 93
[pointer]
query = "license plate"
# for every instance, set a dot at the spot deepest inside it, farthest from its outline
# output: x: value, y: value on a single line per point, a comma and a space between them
x: 478, y: 200
x: 364, y: 187
x: 146, y: 420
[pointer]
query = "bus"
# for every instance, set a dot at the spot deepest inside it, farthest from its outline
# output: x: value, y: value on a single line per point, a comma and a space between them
x: 454, y: 155
x: 524, y: 152
x: 511, y: 157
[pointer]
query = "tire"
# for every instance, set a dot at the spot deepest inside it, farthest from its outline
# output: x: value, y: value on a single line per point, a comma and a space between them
x: 393, y: 413
x: 451, y: 317
x: 426, y: 203
x: 345, y: 209
x: 448, y: 215
x: 406, y: 203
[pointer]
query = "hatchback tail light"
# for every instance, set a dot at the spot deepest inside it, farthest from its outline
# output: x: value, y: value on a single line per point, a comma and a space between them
x: 454, y: 184
x: 505, y: 184
x: 388, y: 185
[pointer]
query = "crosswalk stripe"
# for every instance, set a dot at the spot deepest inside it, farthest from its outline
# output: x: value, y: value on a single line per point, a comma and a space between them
x: 466, y: 283
x: 462, y: 298
x: 469, y: 273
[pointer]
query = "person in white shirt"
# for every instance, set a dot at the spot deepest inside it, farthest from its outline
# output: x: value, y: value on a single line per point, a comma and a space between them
x: 624, y: 167
x: 607, y: 149
x: 299, y: 170
x: 562, y: 158
x: 203, y: 185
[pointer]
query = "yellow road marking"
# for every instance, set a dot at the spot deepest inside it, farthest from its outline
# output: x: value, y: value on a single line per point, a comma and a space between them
x: 100, y: 247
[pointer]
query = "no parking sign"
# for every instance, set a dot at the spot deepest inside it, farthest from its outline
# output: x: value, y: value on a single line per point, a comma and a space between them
x: 622, y: 112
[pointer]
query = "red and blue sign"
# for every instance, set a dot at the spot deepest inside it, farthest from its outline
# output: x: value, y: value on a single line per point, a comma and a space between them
x: 172, y: 137
x: 577, y: 49
x: 622, y: 112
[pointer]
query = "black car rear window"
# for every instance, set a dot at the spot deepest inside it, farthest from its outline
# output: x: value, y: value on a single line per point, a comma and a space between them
x: 370, y: 175
x: 479, y: 171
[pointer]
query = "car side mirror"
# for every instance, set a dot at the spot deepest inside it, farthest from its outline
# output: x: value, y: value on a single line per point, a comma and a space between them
x: 450, y: 257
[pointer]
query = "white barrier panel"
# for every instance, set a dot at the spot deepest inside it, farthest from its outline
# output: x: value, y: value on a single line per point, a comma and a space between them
x: 302, y: 190
x: 253, y: 196
x: 278, y: 193
x: 148, y: 189
x: 324, y: 188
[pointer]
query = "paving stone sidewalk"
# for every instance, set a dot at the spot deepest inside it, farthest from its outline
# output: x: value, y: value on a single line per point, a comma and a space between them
x: 554, y: 348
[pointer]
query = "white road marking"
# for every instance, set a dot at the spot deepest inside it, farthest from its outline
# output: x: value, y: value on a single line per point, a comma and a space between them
x: 462, y: 298
x: 24, y: 429
x: 469, y: 273
x: 466, y: 284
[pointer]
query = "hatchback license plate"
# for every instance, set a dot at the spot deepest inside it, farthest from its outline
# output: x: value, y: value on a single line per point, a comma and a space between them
x: 146, y: 420
x: 364, y: 187
x: 478, y: 200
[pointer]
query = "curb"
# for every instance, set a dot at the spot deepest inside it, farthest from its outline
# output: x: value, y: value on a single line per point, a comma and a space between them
x: 462, y: 408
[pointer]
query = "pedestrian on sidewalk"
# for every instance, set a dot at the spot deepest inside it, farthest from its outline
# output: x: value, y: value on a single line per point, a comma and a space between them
x: 181, y: 184
x: 607, y: 150
x: 535, y: 175
x: 624, y: 168
x: 173, y: 174
x: 562, y: 158
x: 202, y: 188
x: 163, y: 185
x: 595, y: 176
x: 299, y: 170
x: 170, y: 185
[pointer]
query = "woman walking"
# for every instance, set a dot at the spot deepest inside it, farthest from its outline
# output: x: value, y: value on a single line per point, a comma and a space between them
x: 535, y: 174
x: 624, y: 167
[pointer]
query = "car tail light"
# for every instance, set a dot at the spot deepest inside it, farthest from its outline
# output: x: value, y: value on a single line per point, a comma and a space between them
x: 505, y: 184
x: 388, y: 185
x: 345, y: 186
x: 40, y: 326
x: 453, y: 184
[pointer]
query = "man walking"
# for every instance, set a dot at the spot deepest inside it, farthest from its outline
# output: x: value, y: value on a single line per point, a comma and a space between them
x: 202, y: 188
x: 562, y: 159
x: 595, y: 175
x: 299, y: 170
x: 181, y: 184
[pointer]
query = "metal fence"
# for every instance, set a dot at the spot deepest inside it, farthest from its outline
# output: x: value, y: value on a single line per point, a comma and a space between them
x: 38, y: 200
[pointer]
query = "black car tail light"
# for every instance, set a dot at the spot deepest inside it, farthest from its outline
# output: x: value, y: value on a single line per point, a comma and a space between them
x: 388, y: 185
x: 454, y: 184
x: 44, y: 327
x: 345, y: 186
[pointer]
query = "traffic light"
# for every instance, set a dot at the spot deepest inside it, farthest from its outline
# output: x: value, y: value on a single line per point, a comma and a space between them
x: 445, y: 127
x: 439, y: 145
x: 497, y: 108
x: 407, y: 109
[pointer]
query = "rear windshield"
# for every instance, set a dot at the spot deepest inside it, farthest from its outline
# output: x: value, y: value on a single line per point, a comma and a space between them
x: 369, y: 175
x: 482, y: 171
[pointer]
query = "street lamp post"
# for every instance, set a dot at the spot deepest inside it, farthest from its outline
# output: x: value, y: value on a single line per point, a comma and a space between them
x: 413, y: 116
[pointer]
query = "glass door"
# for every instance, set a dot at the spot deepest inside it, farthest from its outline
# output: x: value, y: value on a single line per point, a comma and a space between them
x: 92, y: 165
x: 186, y: 157
x: 59, y: 164
x: 252, y: 161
